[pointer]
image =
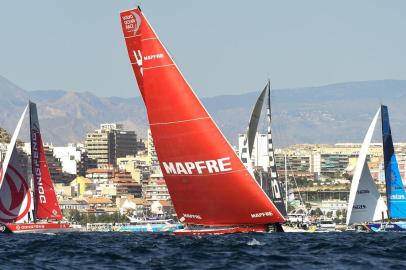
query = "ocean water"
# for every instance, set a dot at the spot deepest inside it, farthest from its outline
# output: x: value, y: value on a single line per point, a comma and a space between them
x: 240, y: 251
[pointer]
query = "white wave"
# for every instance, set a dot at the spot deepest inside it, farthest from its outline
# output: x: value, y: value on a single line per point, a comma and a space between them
x: 255, y: 242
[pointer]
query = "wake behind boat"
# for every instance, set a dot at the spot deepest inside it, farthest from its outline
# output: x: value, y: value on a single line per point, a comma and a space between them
x: 211, y: 189
x: 20, y: 210
x: 150, y: 225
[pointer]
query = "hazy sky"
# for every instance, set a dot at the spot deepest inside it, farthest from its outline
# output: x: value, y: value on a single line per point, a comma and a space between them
x: 222, y: 47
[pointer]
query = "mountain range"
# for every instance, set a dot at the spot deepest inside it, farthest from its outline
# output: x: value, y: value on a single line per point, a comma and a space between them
x: 326, y: 114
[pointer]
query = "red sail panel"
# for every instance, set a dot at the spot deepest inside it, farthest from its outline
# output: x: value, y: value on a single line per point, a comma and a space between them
x: 130, y: 24
x: 207, y: 182
x: 45, y: 202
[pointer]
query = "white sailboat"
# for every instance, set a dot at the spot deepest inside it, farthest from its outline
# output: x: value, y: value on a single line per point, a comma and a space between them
x: 365, y: 203
x: 25, y: 209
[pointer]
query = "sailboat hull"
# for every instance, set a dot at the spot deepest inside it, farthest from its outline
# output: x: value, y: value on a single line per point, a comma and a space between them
x: 223, y: 230
x: 399, y: 226
x: 37, y: 228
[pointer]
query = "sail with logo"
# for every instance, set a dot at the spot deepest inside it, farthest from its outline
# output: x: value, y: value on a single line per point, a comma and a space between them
x: 365, y: 203
x: 207, y: 182
x: 21, y: 211
x: 268, y: 179
x: 15, y: 195
x: 395, y: 190
x: 45, y: 201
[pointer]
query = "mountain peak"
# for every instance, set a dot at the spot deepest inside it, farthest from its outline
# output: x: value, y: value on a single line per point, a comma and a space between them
x: 325, y: 114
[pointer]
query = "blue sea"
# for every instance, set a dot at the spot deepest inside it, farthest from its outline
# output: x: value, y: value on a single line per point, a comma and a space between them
x: 240, y: 251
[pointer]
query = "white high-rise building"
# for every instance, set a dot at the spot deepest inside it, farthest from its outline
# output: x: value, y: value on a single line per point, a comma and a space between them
x: 70, y: 156
x: 259, y: 157
x: 152, y: 154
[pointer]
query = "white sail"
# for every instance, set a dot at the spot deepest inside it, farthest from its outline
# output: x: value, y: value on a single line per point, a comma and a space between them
x: 15, y: 197
x: 12, y: 144
x: 365, y: 204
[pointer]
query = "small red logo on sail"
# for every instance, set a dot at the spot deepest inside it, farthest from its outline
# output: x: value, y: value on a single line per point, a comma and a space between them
x: 15, y: 196
x: 131, y: 22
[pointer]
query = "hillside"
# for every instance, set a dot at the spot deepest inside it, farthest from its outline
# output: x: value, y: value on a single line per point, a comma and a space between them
x: 326, y: 114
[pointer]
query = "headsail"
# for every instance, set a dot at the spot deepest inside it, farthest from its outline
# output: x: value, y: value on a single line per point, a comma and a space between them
x: 365, y: 204
x: 395, y: 190
x: 207, y: 181
x: 253, y: 124
x: 15, y: 196
x: 45, y: 201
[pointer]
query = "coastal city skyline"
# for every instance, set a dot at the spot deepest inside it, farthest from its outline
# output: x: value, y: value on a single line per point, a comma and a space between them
x: 207, y: 135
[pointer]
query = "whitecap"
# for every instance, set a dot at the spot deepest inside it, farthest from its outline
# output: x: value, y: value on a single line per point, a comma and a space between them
x: 255, y: 242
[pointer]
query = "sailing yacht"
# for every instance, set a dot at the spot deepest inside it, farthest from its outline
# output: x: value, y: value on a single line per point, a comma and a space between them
x: 24, y: 209
x: 211, y: 190
x: 395, y: 189
x: 267, y: 179
x: 366, y: 206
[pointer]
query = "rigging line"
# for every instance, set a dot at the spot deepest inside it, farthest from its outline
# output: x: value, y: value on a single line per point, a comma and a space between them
x: 281, y: 140
x: 294, y: 179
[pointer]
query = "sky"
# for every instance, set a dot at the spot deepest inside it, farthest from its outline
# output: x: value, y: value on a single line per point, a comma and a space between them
x: 222, y: 47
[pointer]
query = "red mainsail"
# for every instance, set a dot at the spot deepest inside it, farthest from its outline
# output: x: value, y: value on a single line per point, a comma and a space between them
x: 207, y: 182
x: 45, y: 202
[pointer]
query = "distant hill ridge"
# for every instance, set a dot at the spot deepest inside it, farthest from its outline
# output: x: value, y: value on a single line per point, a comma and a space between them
x: 327, y: 114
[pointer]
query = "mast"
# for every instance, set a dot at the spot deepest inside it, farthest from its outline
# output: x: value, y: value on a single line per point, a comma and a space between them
x: 273, y: 182
x: 286, y: 184
x: 32, y: 182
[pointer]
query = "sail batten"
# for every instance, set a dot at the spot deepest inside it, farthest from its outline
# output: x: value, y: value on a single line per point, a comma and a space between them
x: 207, y: 182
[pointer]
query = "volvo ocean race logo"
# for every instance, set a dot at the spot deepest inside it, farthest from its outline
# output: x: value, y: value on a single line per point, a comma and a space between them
x: 15, y: 196
x: 132, y: 23
x: 137, y: 22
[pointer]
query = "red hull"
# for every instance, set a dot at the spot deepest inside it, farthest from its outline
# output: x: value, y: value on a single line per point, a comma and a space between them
x: 36, y: 227
x: 225, y: 230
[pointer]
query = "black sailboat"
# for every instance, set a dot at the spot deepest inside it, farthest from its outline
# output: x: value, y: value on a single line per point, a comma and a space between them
x: 268, y: 179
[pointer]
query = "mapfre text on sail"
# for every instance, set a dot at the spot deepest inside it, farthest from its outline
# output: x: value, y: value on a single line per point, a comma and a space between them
x: 198, y: 167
